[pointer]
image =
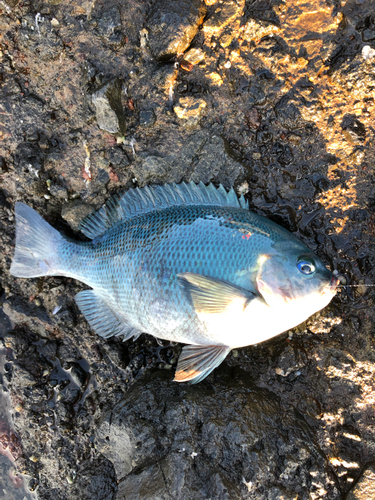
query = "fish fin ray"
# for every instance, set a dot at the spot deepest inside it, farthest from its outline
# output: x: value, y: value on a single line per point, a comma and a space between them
x: 101, y: 318
x: 213, y: 296
x: 198, y: 361
x: 36, y: 244
x: 139, y: 201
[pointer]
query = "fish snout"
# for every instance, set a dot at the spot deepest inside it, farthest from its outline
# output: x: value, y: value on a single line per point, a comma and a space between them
x: 331, y: 286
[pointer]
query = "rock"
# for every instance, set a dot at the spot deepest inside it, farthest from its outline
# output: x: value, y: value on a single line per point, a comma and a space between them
x: 289, y: 121
x: 210, y: 160
x: 95, y: 481
x: 75, y: 212
x: 195, y: 56
x: 58, y: 191
x: 147, y: 117
x: 149, y: 483
x: 354, y: 128
x: 152, y: 168
x: 109, y: 26
x: 288, y: 111
x: 368, y: 52
x: 172, y: 25
x: 201, y: 429
x: 109, y: 110
x: 165, y: 78
x: 365, y: 487
x: 368, y: 35
x: 190, y: 110
x: 40, y: 39
x: 223, y: 15
x: 116, y: 444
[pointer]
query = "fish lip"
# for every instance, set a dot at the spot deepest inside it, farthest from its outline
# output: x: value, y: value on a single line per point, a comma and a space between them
x: 331, y: 288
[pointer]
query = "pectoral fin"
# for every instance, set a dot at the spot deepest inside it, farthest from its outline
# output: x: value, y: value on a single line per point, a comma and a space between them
x: 101, y: 318
x: 213, y: 296
x: 197, y: 361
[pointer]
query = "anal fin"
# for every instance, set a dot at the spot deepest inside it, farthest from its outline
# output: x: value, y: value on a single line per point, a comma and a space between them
x: 198, y: 361
x: 101, y: 318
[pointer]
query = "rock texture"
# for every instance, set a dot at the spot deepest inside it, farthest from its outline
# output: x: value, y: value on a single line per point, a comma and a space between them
x: 274, y: 99
x: 172, y: 25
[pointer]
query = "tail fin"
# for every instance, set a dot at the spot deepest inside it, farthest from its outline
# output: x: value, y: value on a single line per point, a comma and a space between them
x: 36, y: 244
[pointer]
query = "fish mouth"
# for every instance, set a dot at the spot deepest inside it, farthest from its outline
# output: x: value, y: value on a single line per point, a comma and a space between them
x: 331, y: 288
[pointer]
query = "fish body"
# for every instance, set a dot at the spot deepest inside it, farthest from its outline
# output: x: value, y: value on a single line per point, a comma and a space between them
x: 184, y: 263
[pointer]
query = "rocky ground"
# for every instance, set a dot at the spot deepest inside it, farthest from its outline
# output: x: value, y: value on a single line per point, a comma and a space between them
x: 273, y: 97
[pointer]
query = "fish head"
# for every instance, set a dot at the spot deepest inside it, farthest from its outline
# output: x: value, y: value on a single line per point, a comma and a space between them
x: 294, y: 278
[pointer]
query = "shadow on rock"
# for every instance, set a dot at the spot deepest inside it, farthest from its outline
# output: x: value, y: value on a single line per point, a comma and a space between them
x: 210, y: 441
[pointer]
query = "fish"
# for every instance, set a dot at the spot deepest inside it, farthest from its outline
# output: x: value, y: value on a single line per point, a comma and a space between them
x: 184, y: 262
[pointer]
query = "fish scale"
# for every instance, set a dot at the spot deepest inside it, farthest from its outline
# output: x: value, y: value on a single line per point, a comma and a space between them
x: 184, y: 263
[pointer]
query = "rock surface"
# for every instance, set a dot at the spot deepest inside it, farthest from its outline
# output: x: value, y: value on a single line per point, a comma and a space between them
x: 93, y: 99
x: 172, y: 25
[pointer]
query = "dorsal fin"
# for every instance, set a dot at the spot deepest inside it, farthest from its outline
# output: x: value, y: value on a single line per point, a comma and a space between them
x: 138, y: 201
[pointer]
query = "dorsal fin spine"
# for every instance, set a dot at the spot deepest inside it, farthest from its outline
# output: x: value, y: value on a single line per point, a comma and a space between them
x: 138, y: 201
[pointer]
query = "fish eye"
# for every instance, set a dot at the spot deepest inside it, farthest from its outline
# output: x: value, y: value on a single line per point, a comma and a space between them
x: 306, y: 267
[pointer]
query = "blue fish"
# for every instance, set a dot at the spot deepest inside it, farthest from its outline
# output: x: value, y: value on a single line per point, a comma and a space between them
x: 185, y: 263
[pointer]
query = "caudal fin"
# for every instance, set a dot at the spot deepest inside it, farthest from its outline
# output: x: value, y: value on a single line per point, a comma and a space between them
x: 36, y: 244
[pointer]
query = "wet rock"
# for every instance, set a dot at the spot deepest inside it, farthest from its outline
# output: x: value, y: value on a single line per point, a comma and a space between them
x: 149, y: 483
x: 368, y: 35
x: 190, y: 110
x: 117, y: 445
x: 288, y: 112
x: 252, y: 118
x: 75, y: 212
x: 296, y: 137
x: 202, y: 429
x: 172, y: 26
x: 109, y: 110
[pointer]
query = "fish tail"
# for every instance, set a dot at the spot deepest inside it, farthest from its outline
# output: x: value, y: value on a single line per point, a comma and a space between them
x: 36, y: 245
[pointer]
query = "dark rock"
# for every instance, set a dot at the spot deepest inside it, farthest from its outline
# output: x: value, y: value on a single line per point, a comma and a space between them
x: 96, y: 481
x: 356, y: 129
x: 222, y: 15
x: 109, y: 26
x: 147, y: 117
x: 288, y: 112
x: 261, y: 10
x: 368, y: 35
x: 238, y: 440
x: 172, y: 25
x: 293, y: 135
